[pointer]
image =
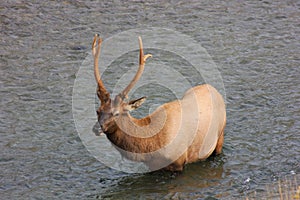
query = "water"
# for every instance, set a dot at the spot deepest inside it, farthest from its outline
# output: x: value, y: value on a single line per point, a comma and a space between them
x: 254, y: 44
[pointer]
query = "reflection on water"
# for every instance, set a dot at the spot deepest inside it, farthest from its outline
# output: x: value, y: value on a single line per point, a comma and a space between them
x: 255, y: 45
x: 197, y: 180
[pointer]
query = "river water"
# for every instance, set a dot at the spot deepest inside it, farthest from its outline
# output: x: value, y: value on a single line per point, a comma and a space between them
x: 255, y: 45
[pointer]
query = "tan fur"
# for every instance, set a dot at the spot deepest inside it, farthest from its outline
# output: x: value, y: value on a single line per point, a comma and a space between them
x: 176, y: 133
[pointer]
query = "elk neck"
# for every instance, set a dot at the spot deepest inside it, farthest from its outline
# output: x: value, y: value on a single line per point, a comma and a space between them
x: 139, y: 135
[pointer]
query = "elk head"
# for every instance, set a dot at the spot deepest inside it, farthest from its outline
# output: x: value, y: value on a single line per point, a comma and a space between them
x: 111, y: 109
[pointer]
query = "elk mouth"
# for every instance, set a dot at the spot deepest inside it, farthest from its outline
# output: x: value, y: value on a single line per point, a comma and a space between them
x: 108, y: 127
x: 104, y: 128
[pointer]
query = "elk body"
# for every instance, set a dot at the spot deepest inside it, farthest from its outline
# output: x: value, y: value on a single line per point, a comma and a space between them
x: 176, y: 133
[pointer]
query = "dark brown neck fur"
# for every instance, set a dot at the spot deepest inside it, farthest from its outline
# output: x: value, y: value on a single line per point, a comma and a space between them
x: 136, y: 144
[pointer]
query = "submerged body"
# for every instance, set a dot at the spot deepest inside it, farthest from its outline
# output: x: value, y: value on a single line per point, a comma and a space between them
x: 176, y: 133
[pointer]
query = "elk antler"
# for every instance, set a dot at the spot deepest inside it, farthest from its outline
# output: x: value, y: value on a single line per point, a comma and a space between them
x: 102, y: 93
x: 138, y: 74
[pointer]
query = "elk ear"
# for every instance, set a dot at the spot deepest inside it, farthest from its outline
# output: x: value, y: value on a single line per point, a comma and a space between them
x: 134, y: 104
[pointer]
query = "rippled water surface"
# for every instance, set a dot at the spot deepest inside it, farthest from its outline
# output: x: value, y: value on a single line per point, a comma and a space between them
x: 255, y: 45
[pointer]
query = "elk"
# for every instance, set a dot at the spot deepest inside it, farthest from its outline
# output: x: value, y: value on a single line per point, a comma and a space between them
x: 176, y: 133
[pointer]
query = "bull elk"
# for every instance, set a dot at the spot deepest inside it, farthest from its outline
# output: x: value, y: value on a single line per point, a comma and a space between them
x: 176, y: 133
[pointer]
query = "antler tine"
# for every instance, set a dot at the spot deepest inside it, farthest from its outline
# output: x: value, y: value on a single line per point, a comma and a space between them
x: 102, y: 92
x: 138, y: 74
x: 94, y: 44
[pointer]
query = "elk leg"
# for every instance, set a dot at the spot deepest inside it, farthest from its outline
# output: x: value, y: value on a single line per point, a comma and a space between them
x: 218, y: 149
